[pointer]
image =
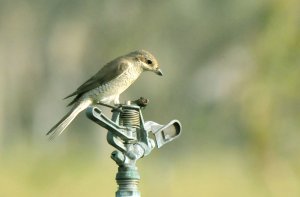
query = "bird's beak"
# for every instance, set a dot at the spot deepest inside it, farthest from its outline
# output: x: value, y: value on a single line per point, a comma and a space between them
x: 159, y: 72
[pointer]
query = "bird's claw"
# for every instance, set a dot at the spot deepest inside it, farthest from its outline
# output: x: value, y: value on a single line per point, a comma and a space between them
x: 141, y: 102
x: 117, y: 108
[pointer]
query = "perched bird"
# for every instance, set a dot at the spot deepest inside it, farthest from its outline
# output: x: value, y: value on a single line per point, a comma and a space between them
x: 107, y: 84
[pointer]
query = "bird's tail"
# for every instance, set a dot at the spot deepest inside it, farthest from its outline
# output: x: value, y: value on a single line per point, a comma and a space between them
x: 68, y: 118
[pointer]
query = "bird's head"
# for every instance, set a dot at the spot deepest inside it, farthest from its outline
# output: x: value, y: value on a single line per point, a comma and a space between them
x: 147, y: 61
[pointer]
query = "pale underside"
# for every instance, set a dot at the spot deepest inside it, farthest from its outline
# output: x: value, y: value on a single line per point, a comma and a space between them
x: 110, y: 91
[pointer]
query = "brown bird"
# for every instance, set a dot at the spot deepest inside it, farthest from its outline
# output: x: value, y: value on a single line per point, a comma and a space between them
x: 107, y: 84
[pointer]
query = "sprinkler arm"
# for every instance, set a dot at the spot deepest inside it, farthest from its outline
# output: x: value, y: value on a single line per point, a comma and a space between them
x: 133, y: 143
x: 164, y: 133
x: 118, y: 136
x: 95, y: 114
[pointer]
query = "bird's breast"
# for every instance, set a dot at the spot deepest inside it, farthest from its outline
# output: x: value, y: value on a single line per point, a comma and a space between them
x: 116, y: 86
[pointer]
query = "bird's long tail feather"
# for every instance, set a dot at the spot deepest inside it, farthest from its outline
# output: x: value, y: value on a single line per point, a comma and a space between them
x: 68, y: 118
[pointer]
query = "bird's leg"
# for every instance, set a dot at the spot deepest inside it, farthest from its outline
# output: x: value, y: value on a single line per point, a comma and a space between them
x: 117, y: 104
x: 116, y: 100
x: 118, y: 108
x: 106, y: 105
x: 114, y: 108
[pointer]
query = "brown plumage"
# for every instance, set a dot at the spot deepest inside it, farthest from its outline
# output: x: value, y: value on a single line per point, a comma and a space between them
x: 107, y: 84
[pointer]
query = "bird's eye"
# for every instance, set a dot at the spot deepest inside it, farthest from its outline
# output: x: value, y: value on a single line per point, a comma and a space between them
x: 149, y: 62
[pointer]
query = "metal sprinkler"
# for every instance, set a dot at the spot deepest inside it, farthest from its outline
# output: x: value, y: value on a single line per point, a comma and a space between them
x: 133, y: 138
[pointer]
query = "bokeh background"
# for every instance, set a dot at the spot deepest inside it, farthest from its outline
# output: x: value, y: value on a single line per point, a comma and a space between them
x: 232, y: 77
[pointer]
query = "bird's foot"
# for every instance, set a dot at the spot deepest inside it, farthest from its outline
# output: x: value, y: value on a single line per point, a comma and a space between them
x: 141, y: 102
x: 106, y: 105
x: 116, y: 107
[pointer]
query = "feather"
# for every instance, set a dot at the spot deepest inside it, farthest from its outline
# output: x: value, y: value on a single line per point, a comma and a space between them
x: 68, y: 118
x: 109, y: 72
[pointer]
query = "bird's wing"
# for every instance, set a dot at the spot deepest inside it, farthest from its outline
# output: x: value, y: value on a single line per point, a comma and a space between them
x: 109, y: 72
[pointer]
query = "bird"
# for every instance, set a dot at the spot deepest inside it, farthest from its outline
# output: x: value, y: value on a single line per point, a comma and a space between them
x: 107, y: 85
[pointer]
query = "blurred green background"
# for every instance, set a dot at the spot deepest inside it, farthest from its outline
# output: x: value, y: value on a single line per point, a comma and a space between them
x: 232, y: 77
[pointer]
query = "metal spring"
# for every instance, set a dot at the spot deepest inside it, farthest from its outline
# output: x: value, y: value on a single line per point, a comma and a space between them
x: 130, y: 118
